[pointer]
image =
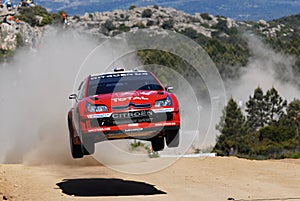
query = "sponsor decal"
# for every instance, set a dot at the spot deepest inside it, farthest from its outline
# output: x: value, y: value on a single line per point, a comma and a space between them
x: 119, y: 75
x: 98, y: 130
x: 133, y: 125
x: 163, y: 110
x: 96, y: 116
x: 133, y: 114
x: 166, y: 124
x: 148, y: 93
x: 134, y: 130
x: 129, y: 99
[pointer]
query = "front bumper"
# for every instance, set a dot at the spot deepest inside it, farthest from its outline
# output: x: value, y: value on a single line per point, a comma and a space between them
x: 138, y: 133
x: 141, y: 124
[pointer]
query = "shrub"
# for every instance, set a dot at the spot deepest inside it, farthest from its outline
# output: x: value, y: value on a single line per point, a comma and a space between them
x: 19, y: 39
x: 205, y: 16
x: 29, y: 15
x: 109, y: 25
x: 150, y: 23
x: 132, y: 7
x: 168, y: 24
x: 147, y: 13
x: 123, y: 27
x: 156, y: 6
x: 190, y: 32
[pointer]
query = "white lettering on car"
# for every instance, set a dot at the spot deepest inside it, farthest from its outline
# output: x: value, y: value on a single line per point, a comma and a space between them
x: 129, y: 99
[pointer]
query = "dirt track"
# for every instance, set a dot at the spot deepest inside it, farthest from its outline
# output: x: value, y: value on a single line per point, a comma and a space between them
x: 188, y: 179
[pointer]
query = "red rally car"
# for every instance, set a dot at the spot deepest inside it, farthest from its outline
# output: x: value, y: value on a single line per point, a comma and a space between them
x: 122, y: 105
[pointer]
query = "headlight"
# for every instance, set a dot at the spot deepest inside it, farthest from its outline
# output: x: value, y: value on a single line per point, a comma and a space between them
x: 164, y: 102
x: 95, y: 108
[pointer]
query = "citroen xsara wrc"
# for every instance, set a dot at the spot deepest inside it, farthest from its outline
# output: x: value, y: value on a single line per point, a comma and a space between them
x: 122, y: 105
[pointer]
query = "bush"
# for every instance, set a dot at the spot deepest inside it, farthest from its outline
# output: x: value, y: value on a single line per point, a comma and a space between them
x: 29, y: 15
x: 205, y: 16
x: 132, y: 7
x: 222, y: 26
x: 20, y: 41
x: 168, y: 24
x: 123, y: 27
x: 190, y: 32
x: 296, y: 155
x: 109, y: 25
x: 147, y: 13
x: 136, y: 143
x: 150, y: 23
x: 76, y: 17
x: 156, y: 7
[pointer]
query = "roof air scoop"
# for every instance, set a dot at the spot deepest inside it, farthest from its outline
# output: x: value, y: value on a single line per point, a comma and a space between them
x: 119, y: 69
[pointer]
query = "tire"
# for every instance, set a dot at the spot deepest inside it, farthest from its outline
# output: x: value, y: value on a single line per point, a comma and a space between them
x: 158, y: 143
x: 88, y: 147
x: 172, y: 138
x: 76, y: 150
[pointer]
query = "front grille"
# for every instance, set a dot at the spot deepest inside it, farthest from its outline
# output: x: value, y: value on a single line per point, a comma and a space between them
x: 124, y: 118
x: 137, y: 106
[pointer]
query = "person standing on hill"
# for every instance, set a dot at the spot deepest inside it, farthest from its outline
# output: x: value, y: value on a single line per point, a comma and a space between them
x: 64, y: 17
x: 8, y: 4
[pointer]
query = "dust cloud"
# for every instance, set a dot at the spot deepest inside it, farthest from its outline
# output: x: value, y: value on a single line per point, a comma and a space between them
x: 34, y: 91
x: 266, y: 68
x: 34, y: 99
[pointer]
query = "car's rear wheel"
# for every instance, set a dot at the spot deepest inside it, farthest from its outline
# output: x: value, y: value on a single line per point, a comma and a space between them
x: 157, y: 143
x: 172, y: 138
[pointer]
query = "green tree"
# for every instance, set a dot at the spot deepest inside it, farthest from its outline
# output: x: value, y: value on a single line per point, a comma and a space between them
x: 231, y: 127
x: 275, y: 106
x: 293, y: 114
x: 255, y: 108
x: 293, y: 110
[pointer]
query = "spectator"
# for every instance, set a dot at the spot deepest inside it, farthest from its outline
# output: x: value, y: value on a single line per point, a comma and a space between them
x: 8, y: 4
x: 8, y: 19
x: 64, y: 17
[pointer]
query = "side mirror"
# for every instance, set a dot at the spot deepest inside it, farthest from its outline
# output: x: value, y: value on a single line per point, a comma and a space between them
x: 169, y: 88
x: 73, y: 96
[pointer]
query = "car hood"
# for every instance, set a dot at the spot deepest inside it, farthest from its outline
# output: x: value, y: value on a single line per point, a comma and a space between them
x: 133, y: 98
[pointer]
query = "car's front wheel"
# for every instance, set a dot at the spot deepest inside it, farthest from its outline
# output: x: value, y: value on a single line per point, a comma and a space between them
x: 157, y: 143
x: 172, y: 138
x: 76, y: 150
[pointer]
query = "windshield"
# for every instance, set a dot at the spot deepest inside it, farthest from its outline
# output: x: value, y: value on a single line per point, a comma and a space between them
x: 122, y: 82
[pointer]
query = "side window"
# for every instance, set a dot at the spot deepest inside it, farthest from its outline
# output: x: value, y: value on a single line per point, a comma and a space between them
x: 81, y: 90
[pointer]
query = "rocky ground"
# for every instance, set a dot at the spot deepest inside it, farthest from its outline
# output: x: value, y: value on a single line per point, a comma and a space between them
x: 112, y: 23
